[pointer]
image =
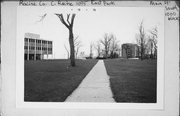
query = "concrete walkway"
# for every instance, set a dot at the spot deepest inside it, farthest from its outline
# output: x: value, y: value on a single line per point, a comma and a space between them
x: 94, y: 88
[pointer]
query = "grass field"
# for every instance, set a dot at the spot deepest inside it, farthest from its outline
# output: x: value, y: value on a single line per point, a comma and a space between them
x: 132, y: 80
x: 52, y: 81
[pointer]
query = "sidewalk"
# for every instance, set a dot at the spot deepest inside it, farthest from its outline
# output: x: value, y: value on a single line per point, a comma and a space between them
x: 94, y: 88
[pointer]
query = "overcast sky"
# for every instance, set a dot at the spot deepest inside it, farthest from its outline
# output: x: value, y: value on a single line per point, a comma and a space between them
x: 89, y: 25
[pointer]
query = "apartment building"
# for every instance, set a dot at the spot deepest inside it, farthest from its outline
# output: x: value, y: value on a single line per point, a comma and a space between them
x: 130, y: 50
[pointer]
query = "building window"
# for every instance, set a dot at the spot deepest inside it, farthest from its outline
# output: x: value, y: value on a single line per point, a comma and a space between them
x: 25, y: 47
x: 49, y: 42
x: 31, y: 47
x: 49, y: 49
x: 26, y: 39
x: 31, y: 40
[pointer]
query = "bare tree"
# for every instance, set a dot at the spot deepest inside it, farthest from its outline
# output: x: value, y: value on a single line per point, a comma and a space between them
x: 141, y: 41
x: 119, y: 50
x: 91, y: 49
x: 114, y: 45
x: 69, y: 24
x: 77, y: 45
x: 153, y: 38
x: 97, y: 46
x: 106, y: 43
x: 82, y: 54
x: 66, y: 51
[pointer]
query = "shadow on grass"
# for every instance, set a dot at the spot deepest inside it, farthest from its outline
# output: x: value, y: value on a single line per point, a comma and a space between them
x: 133, y: 80
x: 53, y: 80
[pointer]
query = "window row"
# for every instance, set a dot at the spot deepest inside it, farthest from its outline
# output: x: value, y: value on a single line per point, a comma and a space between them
x: 45, y: 42
x: 49, y: 49
x: 37, y: 48
x: 38, y: 41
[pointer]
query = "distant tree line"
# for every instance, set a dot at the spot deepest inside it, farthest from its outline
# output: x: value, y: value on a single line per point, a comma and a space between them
x: 107, y: 47
x: 147, y: 42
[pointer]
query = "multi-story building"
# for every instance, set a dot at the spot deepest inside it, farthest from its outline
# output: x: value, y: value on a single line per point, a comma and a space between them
x: 130, y: 50
x: 36, y: 48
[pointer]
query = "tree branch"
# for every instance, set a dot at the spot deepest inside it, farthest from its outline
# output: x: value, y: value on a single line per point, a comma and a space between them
x: 102, y: 42
x: 72, y: 20
x: 62, y: 20
x: 76, y: 38
x: 68, y: 15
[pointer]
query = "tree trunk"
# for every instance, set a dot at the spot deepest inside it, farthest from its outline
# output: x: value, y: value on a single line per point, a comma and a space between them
x: 106, y: 52
x: 69, y: 26
x: 151, y: 56
x: 76, y: 52
x: 71, y: 41
x: 142, y: 51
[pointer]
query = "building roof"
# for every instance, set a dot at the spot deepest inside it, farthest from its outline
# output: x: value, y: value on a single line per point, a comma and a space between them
x: 129, y: 44
x: 32, y: 35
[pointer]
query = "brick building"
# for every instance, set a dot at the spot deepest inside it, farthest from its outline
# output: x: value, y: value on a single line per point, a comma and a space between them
x: 130, y: 50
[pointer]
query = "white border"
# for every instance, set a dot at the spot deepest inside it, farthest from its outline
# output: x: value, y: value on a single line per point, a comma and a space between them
x: 63, y: 105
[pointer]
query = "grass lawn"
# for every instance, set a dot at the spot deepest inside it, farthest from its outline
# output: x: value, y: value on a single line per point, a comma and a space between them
x: 132, y: 80
x: 51, y: 81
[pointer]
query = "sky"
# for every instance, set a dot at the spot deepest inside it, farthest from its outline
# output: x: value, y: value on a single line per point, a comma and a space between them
x: 89, y: 25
